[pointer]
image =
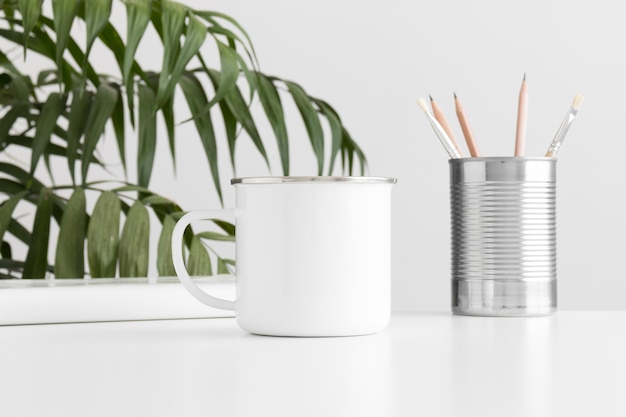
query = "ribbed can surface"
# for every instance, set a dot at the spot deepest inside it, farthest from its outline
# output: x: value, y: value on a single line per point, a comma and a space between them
x: 503, y: 214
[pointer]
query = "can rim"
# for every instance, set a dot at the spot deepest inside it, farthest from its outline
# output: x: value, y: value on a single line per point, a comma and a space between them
x: 503, y: 158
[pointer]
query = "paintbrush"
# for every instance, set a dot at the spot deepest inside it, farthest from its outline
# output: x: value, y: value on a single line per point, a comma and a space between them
x: 439, y: 131
x: 567, y: 122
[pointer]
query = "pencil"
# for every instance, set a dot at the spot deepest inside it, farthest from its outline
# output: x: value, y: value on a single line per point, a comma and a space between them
x: 467, y: 132
x: 441, y: 134
x: 522, y: 114
x: 444, y: 123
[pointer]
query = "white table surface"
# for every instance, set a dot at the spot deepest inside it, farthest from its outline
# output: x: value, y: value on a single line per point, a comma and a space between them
x: 424, y: 364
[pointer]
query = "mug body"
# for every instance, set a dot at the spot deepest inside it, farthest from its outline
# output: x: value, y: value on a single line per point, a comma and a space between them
x: 313, y: 255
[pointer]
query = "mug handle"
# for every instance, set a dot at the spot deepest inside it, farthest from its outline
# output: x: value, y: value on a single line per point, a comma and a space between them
x: 179, y: 263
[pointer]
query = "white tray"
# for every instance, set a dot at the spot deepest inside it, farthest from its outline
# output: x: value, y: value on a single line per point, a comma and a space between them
x: 107, y: 299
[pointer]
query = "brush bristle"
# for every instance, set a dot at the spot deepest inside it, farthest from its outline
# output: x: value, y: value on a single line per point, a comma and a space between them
x: 578, y: 101
x: 422, y: 103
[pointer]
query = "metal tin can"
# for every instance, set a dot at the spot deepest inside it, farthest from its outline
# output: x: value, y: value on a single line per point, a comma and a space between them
x: 503, y: 223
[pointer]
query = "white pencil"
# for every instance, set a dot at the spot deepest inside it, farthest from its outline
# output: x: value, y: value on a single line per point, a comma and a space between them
x: 559, y: 137
x: 441, y: 133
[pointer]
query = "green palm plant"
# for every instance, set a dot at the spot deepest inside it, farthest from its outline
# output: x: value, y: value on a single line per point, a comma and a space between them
x: 61, y: 112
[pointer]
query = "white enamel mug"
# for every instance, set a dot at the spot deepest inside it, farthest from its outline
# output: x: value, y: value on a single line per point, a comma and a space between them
x: 313, y: 255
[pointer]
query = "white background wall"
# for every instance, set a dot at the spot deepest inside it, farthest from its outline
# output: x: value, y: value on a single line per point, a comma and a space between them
x: 372, y: 59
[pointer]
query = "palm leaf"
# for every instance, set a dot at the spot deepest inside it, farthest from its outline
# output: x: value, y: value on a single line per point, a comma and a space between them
x: 97, y: 14
x: 44, y: 45
x: 9, y: 11
x: 199, y: 262
x: 231, y: 44
x: 6, y: 211
x: 23, y: 176
x: 138, y: 16
x: 135, y: 242
x: 241, y: 112
x: 156, y: 200
x: 20, y: 90
x: 216, y: 236
x: 20, y: 232
x: 30, y: 10
x: 165, y: 265
x: 70, y: 253
x: 311, y: 122
x: 9, y: 119
x: 119, y: 126
x: 335, y: 129
x: 229, y: 72
x: 195, y: 33
x: 225, y: 226
x: 210, y: 16
x: 100, y: 111
x: 172, y: 24
x: 197, y: 101
x: 113, y: 41
x: 349, y: 150
x: 147, y: 135
x: 221, y: 267
x: 230, y: 121
x: 77, y: 122
x: 230, y: 127
x: 47, y: 77
x: 169, y: 118
x: 51, y: 148
x: 274, y: 111
x: 45, y: 125
x: 37, y: 257
x: 64, y: 12
x: 103, y: 236
x: 10, y: 187
x: 75, y: 51
x: 5, y: 250
x: 5, y: 62
x: 131, y: 187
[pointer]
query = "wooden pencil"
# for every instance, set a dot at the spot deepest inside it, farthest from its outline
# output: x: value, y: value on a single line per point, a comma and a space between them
x: 467, y: 132
x: 444, y: 123
x: 522, y: 115
x: 439, y: 131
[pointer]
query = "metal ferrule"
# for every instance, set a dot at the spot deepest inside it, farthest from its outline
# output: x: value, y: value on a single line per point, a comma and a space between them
x: 559, y: 137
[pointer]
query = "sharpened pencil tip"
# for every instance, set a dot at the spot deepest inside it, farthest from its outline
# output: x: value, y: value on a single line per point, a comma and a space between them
x: 454, y: 95
x: 524, y: 79
x: 431, y: 97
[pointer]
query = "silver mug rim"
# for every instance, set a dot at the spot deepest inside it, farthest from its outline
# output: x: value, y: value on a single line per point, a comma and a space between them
x: 316, y: 179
